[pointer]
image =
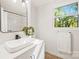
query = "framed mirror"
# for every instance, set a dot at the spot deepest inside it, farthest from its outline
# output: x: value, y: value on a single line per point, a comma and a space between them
x: 13, y: 15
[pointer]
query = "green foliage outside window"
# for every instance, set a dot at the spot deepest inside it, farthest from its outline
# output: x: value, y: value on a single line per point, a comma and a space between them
x: 68, y: 21
x: 66, y: 16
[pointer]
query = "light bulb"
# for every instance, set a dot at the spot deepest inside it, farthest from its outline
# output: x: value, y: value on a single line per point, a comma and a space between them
x: 27, y: 1
x: 14, y: 1
x: 23, y: 4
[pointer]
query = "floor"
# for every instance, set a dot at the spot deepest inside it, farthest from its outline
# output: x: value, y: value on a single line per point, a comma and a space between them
x: 50, y: 56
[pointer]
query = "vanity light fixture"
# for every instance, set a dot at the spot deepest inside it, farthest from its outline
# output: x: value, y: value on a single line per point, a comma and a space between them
x: 23, y: 4
x: 25, y: 1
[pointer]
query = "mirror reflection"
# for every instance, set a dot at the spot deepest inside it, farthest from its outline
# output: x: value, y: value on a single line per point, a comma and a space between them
x: 13, y: 15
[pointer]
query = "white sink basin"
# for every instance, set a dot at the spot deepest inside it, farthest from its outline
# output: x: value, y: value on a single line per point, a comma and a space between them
x: 16, y: 45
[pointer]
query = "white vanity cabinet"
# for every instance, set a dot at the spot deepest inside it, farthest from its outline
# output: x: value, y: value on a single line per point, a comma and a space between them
x: 38, y: 53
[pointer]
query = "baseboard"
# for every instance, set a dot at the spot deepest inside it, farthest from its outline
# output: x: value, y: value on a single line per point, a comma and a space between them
x: 53, y: 55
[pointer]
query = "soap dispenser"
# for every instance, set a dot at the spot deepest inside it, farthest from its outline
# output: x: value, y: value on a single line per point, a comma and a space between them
x: 17, y: 37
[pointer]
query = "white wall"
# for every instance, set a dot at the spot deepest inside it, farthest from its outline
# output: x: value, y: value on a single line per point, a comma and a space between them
x: 34, y: 22
x: 46, y: 30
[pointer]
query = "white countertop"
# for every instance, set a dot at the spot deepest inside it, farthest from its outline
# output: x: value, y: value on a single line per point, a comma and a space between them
x: 4, y: 54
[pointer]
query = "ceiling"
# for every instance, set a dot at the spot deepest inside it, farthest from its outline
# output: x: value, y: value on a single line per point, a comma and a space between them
x: 18, y: 7
x: 40, y: 2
